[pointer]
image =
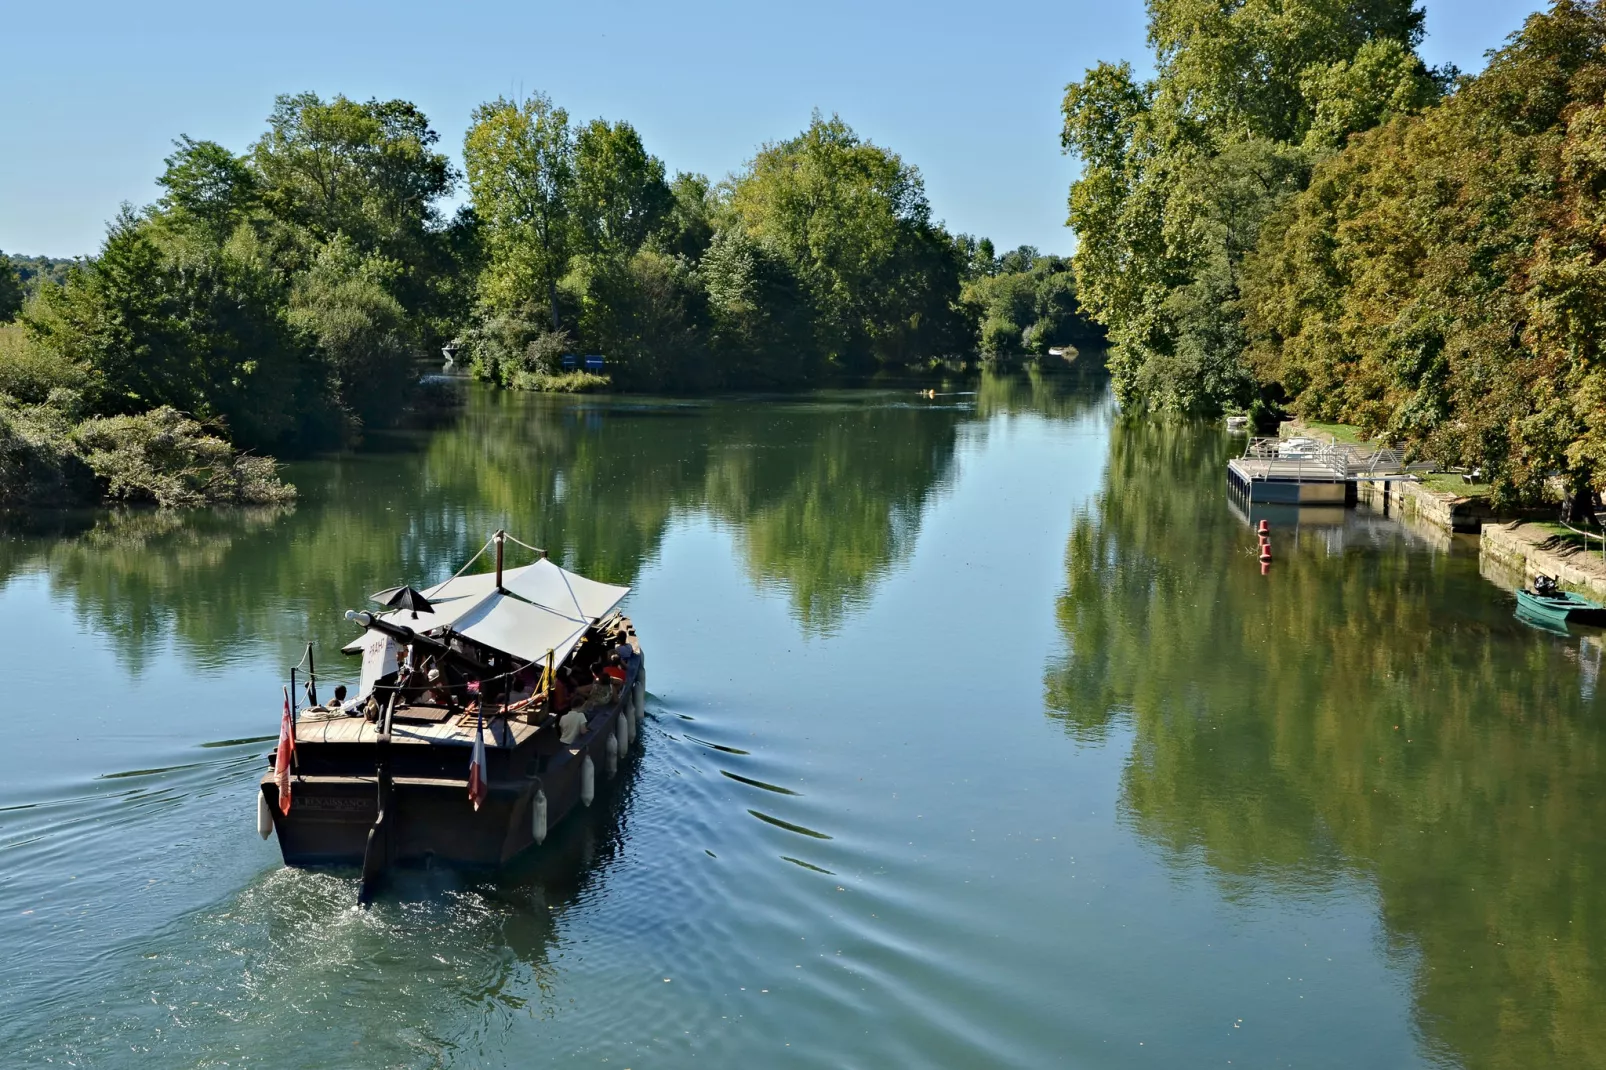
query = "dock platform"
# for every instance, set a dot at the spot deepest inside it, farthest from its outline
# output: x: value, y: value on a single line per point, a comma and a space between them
x: 1306, y: 472
x: 1287, y: 481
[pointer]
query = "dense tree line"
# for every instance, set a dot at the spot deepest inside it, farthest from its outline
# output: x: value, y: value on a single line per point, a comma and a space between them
x: 820, y: 257
x: 280, y: 299
x: 1441, y: 279
x: 275, y: 299
x: 1022, y: 302
x: 1298, y: 213
x: 1181, y: 171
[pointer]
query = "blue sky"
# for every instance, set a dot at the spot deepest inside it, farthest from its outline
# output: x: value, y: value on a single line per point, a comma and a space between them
x: 970, y: 93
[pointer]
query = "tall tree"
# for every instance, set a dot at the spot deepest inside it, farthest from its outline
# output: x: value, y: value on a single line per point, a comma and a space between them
x: 853, y: 220
x: 688, y: 225
x: 203, y: 333
x: 1180, y: 172
x: 342, y: 301
x: 367, y: 170
x: 10, y: 290
x: 520, y: 163
x: 1441, y: 280
x: 620, y: 196
x: 208, y: 187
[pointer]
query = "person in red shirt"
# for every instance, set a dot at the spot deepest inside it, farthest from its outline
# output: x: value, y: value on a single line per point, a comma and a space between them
x: 615, y: 668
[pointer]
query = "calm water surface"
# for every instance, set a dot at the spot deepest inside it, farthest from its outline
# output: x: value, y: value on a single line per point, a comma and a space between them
x: 975, y: 739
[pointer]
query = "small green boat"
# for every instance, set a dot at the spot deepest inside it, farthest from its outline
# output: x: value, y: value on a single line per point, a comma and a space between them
x: 1548, y: 602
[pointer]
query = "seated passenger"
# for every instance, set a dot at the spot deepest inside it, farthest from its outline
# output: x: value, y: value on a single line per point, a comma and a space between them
x: 524, y: 685
x: 339, y: 704
x: 571, y: 726
x: 615, y: 669
x: 436, y: 692
x: 602, y: 692
x: 562, y: 691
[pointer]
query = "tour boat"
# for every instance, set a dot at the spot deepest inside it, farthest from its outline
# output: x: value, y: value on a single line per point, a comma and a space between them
x: 451, y: 752
x: 1548, y: 601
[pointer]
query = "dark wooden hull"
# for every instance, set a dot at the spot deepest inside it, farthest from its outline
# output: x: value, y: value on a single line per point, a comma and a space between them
x: 336, y: 798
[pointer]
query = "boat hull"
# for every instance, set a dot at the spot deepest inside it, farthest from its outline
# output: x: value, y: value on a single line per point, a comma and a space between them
x: 1563, y: 608
x: 427, y: 822
x: 334, y: 816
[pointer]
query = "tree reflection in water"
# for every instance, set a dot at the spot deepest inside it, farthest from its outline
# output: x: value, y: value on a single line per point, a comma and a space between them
x: 824, y: 494
x: 1374, y: 713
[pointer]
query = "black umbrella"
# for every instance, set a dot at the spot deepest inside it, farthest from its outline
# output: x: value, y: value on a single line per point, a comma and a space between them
x: 403, y: 597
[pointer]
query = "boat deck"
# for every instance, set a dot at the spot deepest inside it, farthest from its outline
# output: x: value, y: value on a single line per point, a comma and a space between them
x: 456, y: 730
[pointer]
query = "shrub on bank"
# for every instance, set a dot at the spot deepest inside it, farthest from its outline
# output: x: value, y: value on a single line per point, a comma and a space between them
x: 39, y: 462
x: 167, y: 458
x: 575, y: 382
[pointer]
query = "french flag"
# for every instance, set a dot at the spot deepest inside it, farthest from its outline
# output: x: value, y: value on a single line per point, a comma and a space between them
x: 286, y: 752
x: 476, y: 765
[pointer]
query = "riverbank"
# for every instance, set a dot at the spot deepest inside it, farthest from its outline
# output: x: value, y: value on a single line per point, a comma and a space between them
x: 1446, y: 500
x: 1532, y: 548
x: 1464, y: 514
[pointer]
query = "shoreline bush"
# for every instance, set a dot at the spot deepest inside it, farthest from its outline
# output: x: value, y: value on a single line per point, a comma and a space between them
x: 167, y: 459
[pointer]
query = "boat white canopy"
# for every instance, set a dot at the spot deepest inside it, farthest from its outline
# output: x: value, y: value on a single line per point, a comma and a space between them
x: 528, y: 632
x: 562, y: 591
x: 541, y: 609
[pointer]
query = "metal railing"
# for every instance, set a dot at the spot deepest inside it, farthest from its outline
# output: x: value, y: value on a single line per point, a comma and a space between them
x: 1300, y: 458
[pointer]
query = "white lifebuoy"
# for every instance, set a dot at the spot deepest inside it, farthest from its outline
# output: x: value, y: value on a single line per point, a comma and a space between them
x: 622, y: 730
x: 538, y: 816
x: 264, y: 816
x: 588, y: 781
x: 612, y: 751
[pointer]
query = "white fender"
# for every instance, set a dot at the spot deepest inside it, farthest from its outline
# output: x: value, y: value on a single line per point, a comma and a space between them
x: 264, y: 816
x: 538, y: 816
x: 638, y: 696
x: 588, y: 781
x: 612, y: 750
x: 622, y: 730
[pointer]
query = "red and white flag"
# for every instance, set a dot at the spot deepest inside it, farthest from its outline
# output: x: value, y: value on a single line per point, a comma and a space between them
x: 287, y: 751
x: 476, y: 764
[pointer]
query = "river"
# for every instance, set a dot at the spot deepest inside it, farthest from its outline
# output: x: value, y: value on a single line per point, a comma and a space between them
x: 975, y: 738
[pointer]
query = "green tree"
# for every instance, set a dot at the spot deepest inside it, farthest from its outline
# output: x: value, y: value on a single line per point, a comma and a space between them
x: 647, y: 313
x: 208, y: 187
x: 10, y: 290
x: 853, y: 221
x: 367, y: 170
x: 762, y: 325
x: 1240, y: 70
x: 620, y: 196
x: 688, y: 225
x: 204, y: 335
x: 1027, y: 306
x: 1180, y: 173
x: 342, y: 301
x: 520, y: 164
x: 1439, y: 281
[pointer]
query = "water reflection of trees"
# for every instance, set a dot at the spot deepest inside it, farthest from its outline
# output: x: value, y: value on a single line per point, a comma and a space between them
x: 1374, y: 714
x: 824, y: 496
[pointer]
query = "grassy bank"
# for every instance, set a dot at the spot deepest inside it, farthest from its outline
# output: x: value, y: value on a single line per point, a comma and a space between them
x: 576, y: 382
